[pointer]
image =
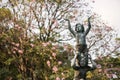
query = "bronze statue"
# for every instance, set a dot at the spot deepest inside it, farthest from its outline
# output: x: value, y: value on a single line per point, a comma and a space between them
x: 81, y: 58
x: 80, y: 34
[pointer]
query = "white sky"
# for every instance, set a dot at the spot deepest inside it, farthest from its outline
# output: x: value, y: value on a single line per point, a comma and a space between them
x: 109, y: 11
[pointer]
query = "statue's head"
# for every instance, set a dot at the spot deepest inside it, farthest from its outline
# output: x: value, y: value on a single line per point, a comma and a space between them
x: 79, y: 28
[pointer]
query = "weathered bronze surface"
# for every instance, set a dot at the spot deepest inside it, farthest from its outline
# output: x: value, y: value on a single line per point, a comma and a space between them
x: 80, y: 61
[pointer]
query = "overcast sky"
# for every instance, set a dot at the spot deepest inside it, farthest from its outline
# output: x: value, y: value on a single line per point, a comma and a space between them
x: 109, y: 11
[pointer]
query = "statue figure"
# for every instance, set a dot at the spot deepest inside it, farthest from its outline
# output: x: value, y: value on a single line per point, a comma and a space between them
x: 81, y: 46
x: 80, y: 61
x: 80, y: 34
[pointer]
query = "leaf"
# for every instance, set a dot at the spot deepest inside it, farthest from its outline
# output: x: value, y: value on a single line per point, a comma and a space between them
x: 5, y: 14
x: 117, y: 39
x: 9, y: 61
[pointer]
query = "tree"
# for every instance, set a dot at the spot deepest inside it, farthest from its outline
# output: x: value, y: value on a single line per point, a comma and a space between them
x: 25, y: 52
x: 29, y: 30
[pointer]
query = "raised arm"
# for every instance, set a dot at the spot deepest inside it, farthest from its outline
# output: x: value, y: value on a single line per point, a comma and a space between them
x: 69, y: 26
x: 89, y: 26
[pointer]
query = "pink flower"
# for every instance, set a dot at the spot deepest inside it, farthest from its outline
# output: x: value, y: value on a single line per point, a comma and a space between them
x: 109, y: 75
x: 20, y: 51
x: 13, y: 43
x: 57, y: 78
x: 55, y: 69
x: 54, y: 55
x: 62, y: 74
x: 97, y: 30
x: 48, y: 43
x: 59, y: 62
x: 17, y: 27
x: 48, y: 63
x: 14, y: 52
x: 32, y: 45
x: 17, y: 44
x: 99, y: 70
x: 114, y: 76
x: 53, y: 48
x: 99, y: 66
x: 108, y: 28
x: 65, y: 47
x: 56, y: 23
x: 15, y: 48
x: 63, y: 78
x: 45, y: 44
x: 33, y: 0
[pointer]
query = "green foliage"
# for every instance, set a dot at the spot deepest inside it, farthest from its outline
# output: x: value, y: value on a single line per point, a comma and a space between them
x: 117, y: 38
x: 27, y: 58
x: 99, y: 76
x: 109, y: 65
x: 5, y: 14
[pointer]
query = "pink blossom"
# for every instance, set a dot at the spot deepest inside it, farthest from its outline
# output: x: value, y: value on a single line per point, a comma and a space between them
x: 75, y: 11
x: 65, y: 47
x: 99, y: 57
x: 57, y: 78
x: 45, y: 44
x: 55, y: 69
x: 48, y: 63
x: 97, y: 30
x: 56, y: 23
x: 109, y: 75
x: 62, y: 74
x: 114, y: 76
x: 53, y: 48
x: 17, y: 44
x: 15, y: 48
x: 32, y: 45
x: 56, y: 46
x: 99, y: 70
x: 20, y: 51
x: 99, y: 66
x: 108, y: 28
x: 14, y: 52
x: 54, y: 55
x: 63, y: 78
x: 13, y: 43
x: 17, y: 27
x: 59, y: 62
x: 33, y: 0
